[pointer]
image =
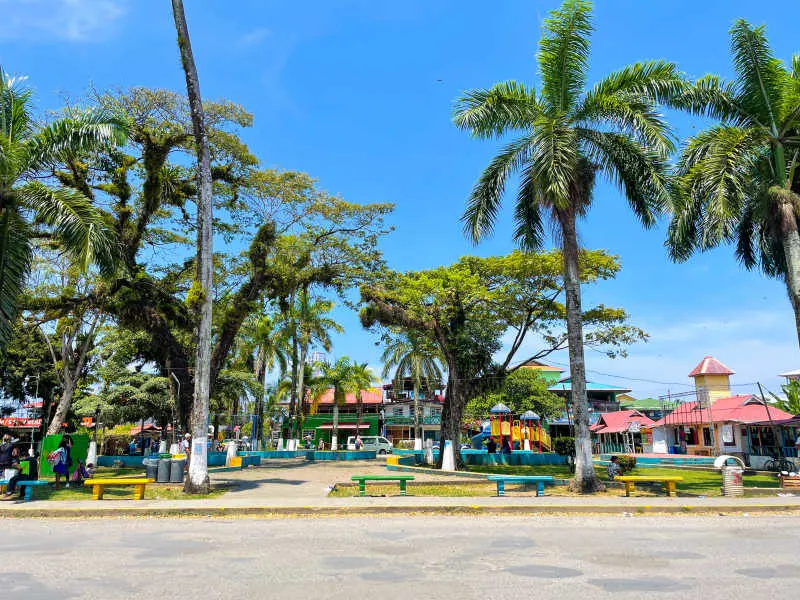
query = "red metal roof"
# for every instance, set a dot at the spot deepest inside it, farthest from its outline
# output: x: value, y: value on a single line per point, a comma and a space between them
x: 744, y: 408
x: 372, y: 396
x: 617, y: 421
x: 710, y: 366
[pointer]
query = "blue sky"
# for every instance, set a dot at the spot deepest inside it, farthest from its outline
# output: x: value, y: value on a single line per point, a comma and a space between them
x: 358, y: 93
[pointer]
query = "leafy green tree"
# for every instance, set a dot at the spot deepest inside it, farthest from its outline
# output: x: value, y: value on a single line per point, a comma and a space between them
x: 31, y: 207
x: 567, y: 136
x: 416, y: 358
x: 521, y: 390
x: 791, y: 400
x: 737, y: 181
x: 467, y: 308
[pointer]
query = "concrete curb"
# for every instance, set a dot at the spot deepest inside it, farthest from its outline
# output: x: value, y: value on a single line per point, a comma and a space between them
x: 282, y: 512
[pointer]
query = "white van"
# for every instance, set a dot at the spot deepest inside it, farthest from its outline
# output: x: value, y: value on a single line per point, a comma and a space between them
x: 371, y: 442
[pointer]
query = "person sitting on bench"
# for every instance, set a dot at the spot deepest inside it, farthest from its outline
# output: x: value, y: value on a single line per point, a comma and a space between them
x: 614, y: 470
x: 31, y: 475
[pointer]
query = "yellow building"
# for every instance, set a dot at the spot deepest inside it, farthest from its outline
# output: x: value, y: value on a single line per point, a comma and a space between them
x: 712, y: 379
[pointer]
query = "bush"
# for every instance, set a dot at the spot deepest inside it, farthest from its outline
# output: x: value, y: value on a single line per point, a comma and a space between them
x: 626, y: 463
x: 565, y: 446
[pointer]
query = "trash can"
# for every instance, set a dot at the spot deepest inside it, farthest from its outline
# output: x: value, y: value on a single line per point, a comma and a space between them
x: 732, y: 481
x: 176, y: 469
x: 163, y: 470
x: 151, y: 467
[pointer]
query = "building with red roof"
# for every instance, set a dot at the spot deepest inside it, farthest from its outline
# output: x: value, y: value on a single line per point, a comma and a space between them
x: 620, y: 431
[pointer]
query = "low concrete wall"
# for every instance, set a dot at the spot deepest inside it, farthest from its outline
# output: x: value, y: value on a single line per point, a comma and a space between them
x: 312, y: 455
x: 215, y: 459
x: 516, y: 458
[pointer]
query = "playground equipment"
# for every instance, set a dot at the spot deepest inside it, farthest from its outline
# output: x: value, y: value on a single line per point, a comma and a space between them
x: 501, y: 422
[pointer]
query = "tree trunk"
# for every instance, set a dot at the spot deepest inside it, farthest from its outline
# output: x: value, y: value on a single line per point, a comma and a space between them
x: 585, y: 477
x: 791, y: 251
x: 301, y: 392
x: 293, y: 400
x: 335, y: 434
x: 56, y: 425
x: 417, y: 432
x: 260, y: 373
x: 197, y: 481
x: 451, y: 416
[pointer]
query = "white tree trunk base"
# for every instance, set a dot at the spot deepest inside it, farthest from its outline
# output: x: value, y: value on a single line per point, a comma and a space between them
x: 198, y: 464
x: 230, y: 452
x: 417, y: 443
x: 429, y: 452
x: 334, y: 443
x: 279, y: 447
x: 448, y: 459
x: 91, y: 455
x: 526, y: 445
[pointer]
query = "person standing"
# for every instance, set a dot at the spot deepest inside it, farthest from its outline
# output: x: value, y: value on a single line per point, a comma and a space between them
x: 60, y: 463
x: 491, y: 446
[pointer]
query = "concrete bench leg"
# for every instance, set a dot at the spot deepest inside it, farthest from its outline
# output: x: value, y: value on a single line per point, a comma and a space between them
x: 629, y: 485
x: 501, y: 488
x: 402, y: 487
x: 670, y: 488
x: 540, y: 488
x: 362, y: 488
x: 138, y: 492
x: 28, y: 493
x: 97, y: 492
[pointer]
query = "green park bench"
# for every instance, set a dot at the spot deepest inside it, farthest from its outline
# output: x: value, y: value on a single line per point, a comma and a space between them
x: 539, y: 480
x: 363, y: 479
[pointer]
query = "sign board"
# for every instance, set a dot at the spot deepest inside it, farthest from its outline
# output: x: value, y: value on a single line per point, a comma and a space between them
x: 87, y: 421
x: 634, y: 427
x: 19, y: 423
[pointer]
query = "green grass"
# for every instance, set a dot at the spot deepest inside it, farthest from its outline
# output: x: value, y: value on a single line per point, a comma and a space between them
x: 152, y: 492
x: 695, y: 482
x: 418, y: 489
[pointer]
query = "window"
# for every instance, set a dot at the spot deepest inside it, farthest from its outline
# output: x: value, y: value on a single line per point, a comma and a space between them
x: 707, y: 437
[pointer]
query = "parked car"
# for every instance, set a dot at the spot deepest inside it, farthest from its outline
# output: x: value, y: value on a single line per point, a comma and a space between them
x: 371, y: 442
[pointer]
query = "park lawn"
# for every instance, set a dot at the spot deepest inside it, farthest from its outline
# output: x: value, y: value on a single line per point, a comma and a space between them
x: 695, y: 482
x: 152, y: 492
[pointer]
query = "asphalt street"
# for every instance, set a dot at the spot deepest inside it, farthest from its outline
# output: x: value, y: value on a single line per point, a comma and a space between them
x: 720, y: 557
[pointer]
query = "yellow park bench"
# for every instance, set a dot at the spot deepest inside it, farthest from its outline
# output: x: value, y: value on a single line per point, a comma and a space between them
x: 631, y: 480
x: 99, y: 486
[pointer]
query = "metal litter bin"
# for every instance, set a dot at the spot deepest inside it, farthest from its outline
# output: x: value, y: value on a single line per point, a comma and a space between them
x: 151, y: 467
x: 732, y: 481
x: 176, y: 470
x: 163, y: 470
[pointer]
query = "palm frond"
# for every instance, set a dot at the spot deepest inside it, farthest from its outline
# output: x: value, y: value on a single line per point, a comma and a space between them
x: 639, y: 171
x: 73, y: 136
x: 484, y: 201
x: 15, y: 259
x: 15, y: 121
x: 657, y: 80
x: 761, y: 77
x: 564, y: 54
x: 554, y: 159
x: 504, y: 107
x: 529, y: 230
x: 713, y: 97
x: 75, y: 222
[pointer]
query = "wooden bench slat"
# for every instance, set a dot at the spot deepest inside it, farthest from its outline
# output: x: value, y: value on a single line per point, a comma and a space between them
x: 630, y: 482
x: 645, y: 478
x: 120, y: 481
x: 381, y: 477
x: 98, y: 486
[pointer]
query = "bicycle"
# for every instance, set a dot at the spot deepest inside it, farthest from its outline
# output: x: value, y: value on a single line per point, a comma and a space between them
x: 779, y: 464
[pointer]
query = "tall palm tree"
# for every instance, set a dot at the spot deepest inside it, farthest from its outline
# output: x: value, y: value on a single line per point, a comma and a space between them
x: 345, y: 377
x: 415, y: 359
x: 738, y: 181
x: 306, y: 324
x: 27, y: 151
x: 364, y: 379
x: 567, y: 136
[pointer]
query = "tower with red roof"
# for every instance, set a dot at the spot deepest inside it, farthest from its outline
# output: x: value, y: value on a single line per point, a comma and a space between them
x: 712, y: 379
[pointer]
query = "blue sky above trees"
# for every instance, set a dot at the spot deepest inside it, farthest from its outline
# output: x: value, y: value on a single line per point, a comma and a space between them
x: 358, y: 94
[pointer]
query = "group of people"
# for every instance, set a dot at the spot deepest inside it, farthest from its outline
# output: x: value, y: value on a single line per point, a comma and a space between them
x: 491, y: 446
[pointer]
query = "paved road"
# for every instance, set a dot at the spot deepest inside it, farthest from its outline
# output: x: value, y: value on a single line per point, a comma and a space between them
x: 404, y: 558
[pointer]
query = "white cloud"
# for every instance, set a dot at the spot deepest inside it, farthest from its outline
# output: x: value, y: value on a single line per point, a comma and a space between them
x: 253, y: 37
x: 70, y: 20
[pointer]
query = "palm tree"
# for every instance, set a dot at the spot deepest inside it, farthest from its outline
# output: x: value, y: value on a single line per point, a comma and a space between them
x: 737, y: 181
x: 345, y: 377
x: 567, y: 136
x: 27, y: 151
x: 306, y: 324
x: 197, y: 481
x: 412, y: 358
x: 364, y: 379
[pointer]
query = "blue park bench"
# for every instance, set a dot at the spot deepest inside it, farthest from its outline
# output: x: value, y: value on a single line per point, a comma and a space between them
x: 26, y: 485
x: 539, y: 480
